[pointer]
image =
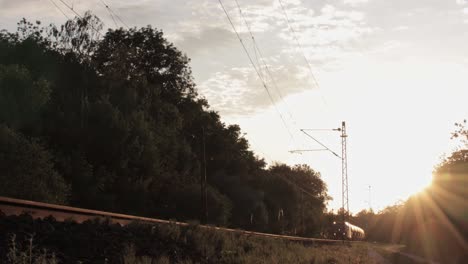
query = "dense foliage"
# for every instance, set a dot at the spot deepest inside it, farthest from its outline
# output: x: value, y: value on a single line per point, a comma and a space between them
x: 27, y: 169
x: 114, y: 122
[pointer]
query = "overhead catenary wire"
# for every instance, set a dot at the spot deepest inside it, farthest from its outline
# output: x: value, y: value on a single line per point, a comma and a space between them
x: 256, y: 70
x: 257, y: 48
x: 297, y: 186
x: 78, y: 15
x: 265, y: 156
x: 301, y: 49
x: 267, y: 68
x: 293, y: 32
x: 58, y: 7
x: 113, y: 14
x: 306, y: 150
x: 320, y: 143
x: 110, y: 13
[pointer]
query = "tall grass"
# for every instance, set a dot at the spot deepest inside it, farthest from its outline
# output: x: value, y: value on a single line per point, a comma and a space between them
x: 28, y: 254
x: 138, y: 243
x: 211, y: 246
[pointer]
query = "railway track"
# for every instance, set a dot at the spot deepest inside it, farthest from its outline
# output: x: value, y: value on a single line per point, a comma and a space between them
x: 11, y: 206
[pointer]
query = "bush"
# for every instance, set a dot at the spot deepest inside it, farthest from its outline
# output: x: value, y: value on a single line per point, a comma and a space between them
x: 27, y: 170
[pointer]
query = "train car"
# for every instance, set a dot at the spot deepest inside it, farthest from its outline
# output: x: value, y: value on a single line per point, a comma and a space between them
x: 347, y: 231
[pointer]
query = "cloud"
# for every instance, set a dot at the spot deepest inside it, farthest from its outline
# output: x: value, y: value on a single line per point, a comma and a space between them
x: 330, y: 33
x: 401, y: 28
x: 325, y: 32
x: 229, y: 92
x: 355, y: 2
x: 205, y: 40
x: 240, y: 91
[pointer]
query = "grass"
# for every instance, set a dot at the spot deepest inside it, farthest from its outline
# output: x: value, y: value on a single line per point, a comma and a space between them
x: 28, y: 254
x: 101, y: 242
x: 259, y: 251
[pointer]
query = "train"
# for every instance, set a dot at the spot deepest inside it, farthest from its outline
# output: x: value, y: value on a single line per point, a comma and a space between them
x: 346, y: 231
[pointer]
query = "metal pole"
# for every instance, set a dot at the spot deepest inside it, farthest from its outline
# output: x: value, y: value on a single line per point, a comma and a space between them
x: 204, y: 198
x: 344, y: 165
x: 302, y: 214
x: 344, y: 174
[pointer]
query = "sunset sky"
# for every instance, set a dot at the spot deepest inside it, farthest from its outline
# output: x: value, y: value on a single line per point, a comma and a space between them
x: 395, y: 71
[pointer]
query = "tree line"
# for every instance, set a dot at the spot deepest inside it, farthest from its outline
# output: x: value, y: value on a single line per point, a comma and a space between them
x: 114, y: 122
x: 434, y: 222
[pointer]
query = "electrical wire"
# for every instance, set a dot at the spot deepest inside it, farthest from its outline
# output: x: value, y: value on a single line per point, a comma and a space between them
x: 78, y: 15
x: 113, y: 14
x: 257, y: 71
x: 301, y: 49
x: 110, y: 13
x: 257, y: 49
x: 61, y: 11
x: 320, y: 143
x: 297, y: 186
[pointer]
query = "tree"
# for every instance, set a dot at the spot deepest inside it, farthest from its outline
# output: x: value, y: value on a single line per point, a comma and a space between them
x: 301, y: 194
x: 450, y: 181
x: 129, y: 133
x: 78, y: 36
x: 461, y: 132
x: 22, y: 97
x: 144, y: 55
x: 28, y: 171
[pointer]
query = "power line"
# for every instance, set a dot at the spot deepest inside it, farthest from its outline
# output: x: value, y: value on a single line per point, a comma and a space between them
x: 320, y: 129
x: 110, y: 13
x: 297, y: 186
x: 305, y: 150
x: 256, y: 70
x: 256, y: 48
x: 320, y: 143
x: 293, y: 32
x: 268, y: 71
x: 297, y: 42
x: 113, y: 14
x: 78, y: 15
x: 61, y: 11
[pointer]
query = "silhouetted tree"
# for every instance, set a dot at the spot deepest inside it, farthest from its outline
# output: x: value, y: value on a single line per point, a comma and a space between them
x: 121, y: 117
x: 28, y: 171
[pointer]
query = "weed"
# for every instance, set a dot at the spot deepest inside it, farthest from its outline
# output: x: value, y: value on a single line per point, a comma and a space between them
x: 29, y: 254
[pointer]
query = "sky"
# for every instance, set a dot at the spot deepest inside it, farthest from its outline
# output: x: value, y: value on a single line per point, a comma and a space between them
x: 395, y: 71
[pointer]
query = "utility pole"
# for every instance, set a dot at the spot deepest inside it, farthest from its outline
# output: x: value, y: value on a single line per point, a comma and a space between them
x: 302, y: 215
x: 204, y: 199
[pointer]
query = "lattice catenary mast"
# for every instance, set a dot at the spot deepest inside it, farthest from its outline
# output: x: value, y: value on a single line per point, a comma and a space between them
x: 344, y: 172
x: 344, y: 163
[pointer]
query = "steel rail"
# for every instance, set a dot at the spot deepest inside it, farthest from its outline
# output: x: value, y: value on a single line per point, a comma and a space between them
x: 12, y: 206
